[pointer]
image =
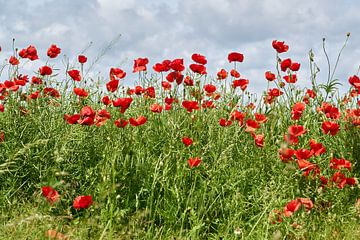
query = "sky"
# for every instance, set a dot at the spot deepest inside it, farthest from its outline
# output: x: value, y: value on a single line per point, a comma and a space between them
x: 171, y: 29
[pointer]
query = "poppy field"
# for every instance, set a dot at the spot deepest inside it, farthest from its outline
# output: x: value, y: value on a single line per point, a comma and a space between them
x: 178, y: 154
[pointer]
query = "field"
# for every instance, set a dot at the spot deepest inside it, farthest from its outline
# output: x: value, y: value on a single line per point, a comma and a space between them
x: 179, y: 154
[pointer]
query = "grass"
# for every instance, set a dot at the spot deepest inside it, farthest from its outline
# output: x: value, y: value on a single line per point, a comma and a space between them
x: 142, y: 185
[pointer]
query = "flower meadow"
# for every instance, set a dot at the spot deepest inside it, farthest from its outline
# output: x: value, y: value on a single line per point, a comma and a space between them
x: 179, y: 154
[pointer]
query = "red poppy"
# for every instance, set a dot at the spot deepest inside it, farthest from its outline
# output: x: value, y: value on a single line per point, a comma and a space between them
x: 168, y: 100
x: 307, y: 203
x: 50, y: 194
x: 275, y: 92
x: 162, y: 67
x: 199, y: 58
x: 2, y: 108
x: 75, y: 75
x: 187, y: 141
x: 340, y: 163
x: 297, y: 110
x: 2, y: 136
x: 14, y: 61
x: 242, y: 83
x: 123, y: 103
x: 224, y: 122
x: 285, y: 64
x: 30, y: 52
x: 310, y: 93
x: 209, y: 88
x: 140, y: 64
x: 194, y: 162
x: 286, y: 154
x: 198, y: 68
x: 138, y: 121
x: 290, y: 78
x: 156, y: 108
x: 81, y: 92
x: 295, y: 66
x: 72, y: 119
x: 112, y: 86
x: 116, y: 73
x: 316, y: 148
x: 36, y: 80
x: 138, y: 90
x: 270, y: 76
x: 177, y: 64
x: 45, y: 70
x: 307, y: 167
x: 106, y: 100
x: 175, y: 76
x: 166, y: 85
x: 259, y: 139
x: 239, y: 116
x: 190, y: 105
x: 53, y: 51
x: 82, y: 59
x: 82, y: 202
x: 330, y: 127
x: 51, y: 92
x: 355, y: 81
x: 234, y: 73
x: 292, y: 207
x: 121, y: 123
x: 251, y: 125
x: 296, y: 130
x: 290, y: 139
x: 222, y: 74
x: 188, y: 81
x: 150, y: 92
x: 235, y: 57
x: 303, y: 154
x: 280, y: 47
x: 330, y: 111
x: 260, y: 118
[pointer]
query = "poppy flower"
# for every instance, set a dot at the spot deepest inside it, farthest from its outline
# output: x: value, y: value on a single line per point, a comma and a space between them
x: 45, y: 70
x: 175, y: 76
x: 303, y: 154
x: 242, y: 83
x: 234, y: 73
x: 36, y: 80
x: 138, y: 90
x: 82, y: 202
x: 286, y: 154
x: 290, y: 139
x: 296, y: 130
x: 222, y: 74
x: 112, y: 86
x: 251, y: 125
x: 259, y: 139
x: 75, y: 75
x: 149, y: 92
x: 330, y: 111
x: 297, y: 110
x: 50, y: 194
x: 260, y: 118
x: 340, y: 163
x: 82, y: 59
x: 2, y: 136
x: 224, y: 122
x: 141, y: 120
x: 270, y: 76
x: 285, y: 64
x: 316, y: 148
x: 121, y: 123
x: 199, y: 58
x: 291, y: 207
x: 53, y: 51
x: 166, y: 85
x: 123, y: 103
x: 280, y: 47
x: 294, y: 66
x: 87, y: 111
x: 330, y: 127
x: 51, y: 92
x: 81, y: 92
x: 187, y: 141
x: 198, y: 68
x: 307, y: 203
x: 177, y: 64
x: 190, y: 105
x: 30, y: 52
x: 235, y: 57
x: 72, y: 119
x: 2, y: 108
x: 169, y: 100
x: 14, y: 61
x: 106, y: 100
x: 188, y: 81
x: 162, y: 67
x: 116, y: 73
x: 290, y: 78
x: 156, y: 108
x: 275, y: 92
x: 310, y: 93
x: 355, y: 81
x: 140, y: 64
x: 209, y: 88
x: 239, y: 116
x: 194, y: 162
x: 307, y: 167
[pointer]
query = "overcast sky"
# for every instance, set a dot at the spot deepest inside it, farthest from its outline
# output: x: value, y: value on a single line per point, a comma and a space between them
x: 170, y: 29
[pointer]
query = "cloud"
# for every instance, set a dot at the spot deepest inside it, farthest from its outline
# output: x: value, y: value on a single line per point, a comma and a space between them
x: 170, y: 29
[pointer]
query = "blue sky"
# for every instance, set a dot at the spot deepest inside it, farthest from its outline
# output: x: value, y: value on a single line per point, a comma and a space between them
x: 174, y: 28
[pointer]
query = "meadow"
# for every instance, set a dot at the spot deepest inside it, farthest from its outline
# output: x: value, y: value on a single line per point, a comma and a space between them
x: 178, y: 155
